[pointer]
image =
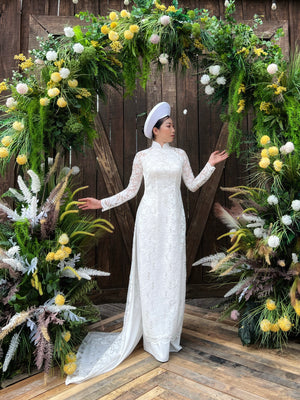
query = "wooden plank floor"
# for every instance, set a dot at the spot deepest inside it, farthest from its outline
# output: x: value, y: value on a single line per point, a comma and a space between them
x: 212, y: 365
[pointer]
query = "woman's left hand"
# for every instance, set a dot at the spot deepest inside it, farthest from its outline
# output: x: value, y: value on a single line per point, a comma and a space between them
x: 217, y: 156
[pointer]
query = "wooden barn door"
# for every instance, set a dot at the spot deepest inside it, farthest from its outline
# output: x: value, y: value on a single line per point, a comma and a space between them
x: 107, y: 167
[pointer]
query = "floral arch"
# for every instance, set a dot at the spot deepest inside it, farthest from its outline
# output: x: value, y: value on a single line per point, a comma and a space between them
x: 49, y: 106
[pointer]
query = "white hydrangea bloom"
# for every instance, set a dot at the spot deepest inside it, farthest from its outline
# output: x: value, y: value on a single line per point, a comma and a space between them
x: 11, y: 102
x: 273, y: 241
x: 78, y: 48
x: 209, y: 90
x: 64, y: 72
x: 51, y: 55
x: 286, y: 220
x: 221, y: 80
x: 258, y: 232
x: 205, y: 79
x: 163, y: 58
x: 287, y: 148
x: 296, y: 205
x: 22, y: 88
x: 214, y: 70
x: 69, y: 31
x: 272, y: 69
x: 272, y: 200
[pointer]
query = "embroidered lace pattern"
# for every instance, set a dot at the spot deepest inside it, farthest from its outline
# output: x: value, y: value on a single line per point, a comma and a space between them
x: 156, y: 291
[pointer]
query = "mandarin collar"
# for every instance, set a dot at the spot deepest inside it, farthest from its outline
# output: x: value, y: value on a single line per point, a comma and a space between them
x: 156, y: 145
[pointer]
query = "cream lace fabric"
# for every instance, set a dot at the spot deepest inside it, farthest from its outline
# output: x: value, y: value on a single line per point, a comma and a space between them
x: 156, y: 291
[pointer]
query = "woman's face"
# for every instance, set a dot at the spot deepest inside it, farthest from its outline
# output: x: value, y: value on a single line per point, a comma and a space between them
x: 166, y: 132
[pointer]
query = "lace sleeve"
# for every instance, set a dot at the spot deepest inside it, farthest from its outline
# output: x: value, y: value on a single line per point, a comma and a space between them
x: 131, y: 190
x: 190, y: 181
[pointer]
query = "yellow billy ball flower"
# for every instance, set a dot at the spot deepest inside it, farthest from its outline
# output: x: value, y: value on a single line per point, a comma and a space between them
x: 63, y: 239
x: 6, y: 141
x: 70, y: 368
x: 274, y: 327
x: 113, y: 36
x: 44, y: 101
x: 128, y: 35
x: 277, y: 164
x: 264, y: 162
x: 284, y: 324
x: 73, y: 83
x: 3, y: 152
x: 18, y: 126
x: 61, y: 102
x: 125, y: 14
x: 67, y: 250
x: 113, y: 25
x: 134, y: 28
x: 265, y: 325
x: 270, y: 304
x: 53, y: 92
x: 59, y: 300
x: 55, y: 77
x: 273, y: 151
x: 50, y: 256
x: 71, y: 357
x: 60, y: 255
x: 66, y: 336
x: 113, y: 16
x: 264, y: 140
x: 264, y: 153
x: 105, y: 29
x: 21, y: 159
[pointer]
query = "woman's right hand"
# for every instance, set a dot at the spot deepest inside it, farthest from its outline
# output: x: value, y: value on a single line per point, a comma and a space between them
x: 89, y: 203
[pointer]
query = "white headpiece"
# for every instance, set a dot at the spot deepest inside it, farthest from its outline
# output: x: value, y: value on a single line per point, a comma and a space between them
x: 159, y: 111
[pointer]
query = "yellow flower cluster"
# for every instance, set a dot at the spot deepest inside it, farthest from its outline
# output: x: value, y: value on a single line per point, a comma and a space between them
x: 242, y: 89
x: 94, y: 43
x: 59, y: 63
x: 278, y: 89
x: 265, y: 140
x: 70, y: 366
x: 21, y: 159
x: 271, y: 151
x: 241, y: 105
x: 283, y: 323
x: 26, y: 62
x: 270, y: 305
x: 161, y: 7
x: 244, y: 51
x: 6, y: 141
x: 265, y: 106
x: 125, y: 14
x: 116, y: 46
x: 59, y: 300
x: 264, y: 162
x: 61, y: 102
x: 36, y: 283
x: 297, y: 307
x: 73, y: 83
x: 184, y: 60
x: 259, y: 52
x: 198, y: 44
x: 171, y: 9
x: 3, y: 87
x: 66, y: 336
x: 114, y: 60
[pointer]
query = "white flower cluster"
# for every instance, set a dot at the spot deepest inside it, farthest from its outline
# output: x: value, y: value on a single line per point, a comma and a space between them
x: 272, y: 69
x: 51, y: 55
x: 272, y: 200
x: 273, y: 241
x: 286, y: 220
x: 163, y: 58
x: 296, y: 205
x: 64, y: 72
x: 69, y: 31
x: 78, y: 48
x: 287, y: 148
x: 208, y: 80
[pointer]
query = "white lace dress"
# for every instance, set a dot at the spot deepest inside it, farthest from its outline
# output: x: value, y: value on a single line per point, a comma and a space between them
x: 156, y: 291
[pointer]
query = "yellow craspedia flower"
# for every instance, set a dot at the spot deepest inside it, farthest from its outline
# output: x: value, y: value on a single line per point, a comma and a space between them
x: 70, y: 368
x: 60, y: 255
x: 274, y: 327
x: 50, y: 256
x: 105, y: 29
x: 270, y: 304
x: 113, y: 25
x: 297, y: 307
x: 113, y: 16
x: 128, y: 35
x: 265, y: 325
x: 53, y: 92
x: 264, y: 153
x: 134, y: 28
x: 21, y: 159
x: 113, y: 36
x: 61, y: 102
x: 284, y: 324
x: 277, y: 164
x: 273, y: 151
x: 44, y: 101
x: 125, y: 14
x: 71, y: 357
x: 264, y: 140
x: 264, y: 162
x: 55, y: 77
x: 73, y: 83
x: 67, y: 250
x: 6, y: 141
x: 94, y: 43
x: 59, y: 300
x: 18, y: 126
x: 63, y: 239
x: 66, y: 336
x: 3, y: 152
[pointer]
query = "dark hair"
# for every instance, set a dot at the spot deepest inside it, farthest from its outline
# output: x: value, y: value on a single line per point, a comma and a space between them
x: 159, y: 124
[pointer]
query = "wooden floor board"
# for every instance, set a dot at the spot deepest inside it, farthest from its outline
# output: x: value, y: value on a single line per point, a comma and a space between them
x: 213, y: 364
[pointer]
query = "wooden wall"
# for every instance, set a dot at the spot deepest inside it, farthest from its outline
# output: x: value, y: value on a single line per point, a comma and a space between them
x: 197, y: 132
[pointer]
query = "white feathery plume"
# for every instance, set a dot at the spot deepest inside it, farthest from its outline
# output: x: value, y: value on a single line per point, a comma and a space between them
x: 16, y: 194
x: 14, y: 343
x: 225, y: 216
x: 57, y: 309
x: 9, y: 212
x: 13, y: 251
x: 85, y: 273
x: 72, y: 316
x: 15, y: 264
x: 26, y: 192
x: 236, y: 287
x: 35, y: 181
x: 209, y: 260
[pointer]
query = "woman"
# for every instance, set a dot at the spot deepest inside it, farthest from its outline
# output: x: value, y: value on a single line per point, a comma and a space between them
x: 156, y: 292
